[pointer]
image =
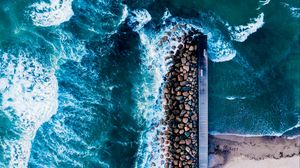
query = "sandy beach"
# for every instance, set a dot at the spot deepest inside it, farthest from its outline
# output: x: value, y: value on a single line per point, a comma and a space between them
x: 231, y: 151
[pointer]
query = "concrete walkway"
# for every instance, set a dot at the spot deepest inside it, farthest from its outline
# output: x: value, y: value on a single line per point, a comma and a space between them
x: 203, y: 109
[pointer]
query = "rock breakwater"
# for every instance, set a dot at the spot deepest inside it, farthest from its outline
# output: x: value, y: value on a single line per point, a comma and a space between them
x: 179, y: 140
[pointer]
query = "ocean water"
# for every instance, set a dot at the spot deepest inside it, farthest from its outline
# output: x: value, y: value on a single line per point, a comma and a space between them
x: 80, y: 80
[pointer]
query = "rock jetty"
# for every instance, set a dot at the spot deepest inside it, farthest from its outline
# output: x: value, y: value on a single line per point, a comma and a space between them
x: 180, y: 94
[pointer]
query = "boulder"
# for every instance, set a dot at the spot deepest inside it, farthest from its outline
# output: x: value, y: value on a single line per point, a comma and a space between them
x: 181, y: 142
x: 187, y: 107
x: 185, y: 120
x: 188, y: 141
x: 191, y: 48
x: 183, y: 60
x: 185, y: 89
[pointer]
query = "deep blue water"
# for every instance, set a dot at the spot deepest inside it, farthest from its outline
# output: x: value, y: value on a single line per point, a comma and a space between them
x: 80, y: 80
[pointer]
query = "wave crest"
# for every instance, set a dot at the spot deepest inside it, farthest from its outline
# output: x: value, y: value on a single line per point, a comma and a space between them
x: 138, y: 18
x: 51, y: 14
x: 240, y: 33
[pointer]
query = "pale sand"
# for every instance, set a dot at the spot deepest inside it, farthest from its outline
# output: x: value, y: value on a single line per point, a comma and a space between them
x: 230, y: 151
x: 238, y: 162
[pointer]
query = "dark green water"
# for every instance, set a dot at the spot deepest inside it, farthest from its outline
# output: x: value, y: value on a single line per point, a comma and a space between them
x: 80, y: 80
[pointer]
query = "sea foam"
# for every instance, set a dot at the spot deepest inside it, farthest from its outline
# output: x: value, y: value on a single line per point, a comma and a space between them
x: 263, y: 3
x: 295, y: 12
x: 51, y: 14
x: 240, y: 33
x: 29, y: 98
x: 219, y: 49
x: 138, y: 18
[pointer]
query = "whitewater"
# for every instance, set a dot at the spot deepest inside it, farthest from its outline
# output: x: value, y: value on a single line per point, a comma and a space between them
x: 81, y: 81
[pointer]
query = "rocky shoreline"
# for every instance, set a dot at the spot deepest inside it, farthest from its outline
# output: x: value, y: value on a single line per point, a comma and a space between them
x: 180, y: 96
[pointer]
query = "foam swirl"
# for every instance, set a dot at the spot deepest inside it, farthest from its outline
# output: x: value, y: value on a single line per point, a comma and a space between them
x: 51, y: 14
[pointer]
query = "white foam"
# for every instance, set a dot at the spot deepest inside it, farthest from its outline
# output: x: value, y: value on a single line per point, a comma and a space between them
x: 295, y: 12
x: 124, y: 14
x: 30, y: 97
x: 138, y: 18
x: 263, y: 3
x: 235, y: 97
x: 3, y: 84
x: 51, y: 14
x: 166, y: 15
x: 240, y: 33
x: 263, y: 134
x: 70, y: 47
x: 219, y: 50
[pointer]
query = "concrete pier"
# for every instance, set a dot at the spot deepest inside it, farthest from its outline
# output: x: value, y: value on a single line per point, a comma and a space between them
x: 203, y: 103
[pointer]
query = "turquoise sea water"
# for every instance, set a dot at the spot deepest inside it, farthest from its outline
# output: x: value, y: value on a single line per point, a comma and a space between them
x: 80, y: 80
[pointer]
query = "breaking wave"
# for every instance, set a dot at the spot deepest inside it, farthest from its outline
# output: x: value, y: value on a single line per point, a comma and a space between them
x: 51, y: 14
x: 29, y: 99
x: 240, y: 33
x: 138, y: 18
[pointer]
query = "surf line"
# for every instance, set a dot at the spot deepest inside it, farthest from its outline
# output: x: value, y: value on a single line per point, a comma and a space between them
x: 181, y: 141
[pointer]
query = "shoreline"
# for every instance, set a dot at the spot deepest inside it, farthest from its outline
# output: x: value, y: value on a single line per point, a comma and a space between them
x: 254, y: 135
x: 260, y: 151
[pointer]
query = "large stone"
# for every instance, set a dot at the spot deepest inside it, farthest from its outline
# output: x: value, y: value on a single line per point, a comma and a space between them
x: 185, y: 94
x: 191, y: 48
x: 185, y: 89
x: 181, y: 142
x: 179, y: 98
x: 185, y: 76
x: 180, y: 126
x: 181, y: 132
x: 187, y: 134
x: 183, y: 60
x: 185, y: 120
x: 183, y: 83
x: 180, y: 46
x: 188, y: 141
x: 186, y: 128
x: 178, y: 119
x: 194, y: 117
x: 180, y: 78
x: 181, y: 106
x: 187, y: 68
x: 187, y: 107
x: 188, y: 149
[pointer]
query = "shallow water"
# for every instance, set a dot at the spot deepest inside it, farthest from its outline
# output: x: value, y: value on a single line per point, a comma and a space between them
x: 80, y: 81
